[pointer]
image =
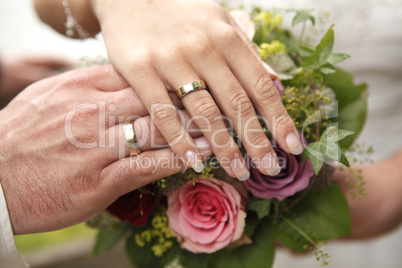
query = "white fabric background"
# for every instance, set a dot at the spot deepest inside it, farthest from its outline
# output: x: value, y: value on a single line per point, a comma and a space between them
x: 369, y: 30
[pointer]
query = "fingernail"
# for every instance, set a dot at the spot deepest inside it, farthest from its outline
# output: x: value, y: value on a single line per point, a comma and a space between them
x: 270, y: 162
x: 269, y: 68
x: 193, y: 161
x: 240, y: 169
x: 294, y: 144
x: 203, y: 145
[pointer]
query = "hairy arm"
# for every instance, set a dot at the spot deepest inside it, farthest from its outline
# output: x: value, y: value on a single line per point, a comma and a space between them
x: 380, y: 211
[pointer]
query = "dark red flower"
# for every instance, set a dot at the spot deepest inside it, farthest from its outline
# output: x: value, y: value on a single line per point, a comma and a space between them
x: 135, y: 206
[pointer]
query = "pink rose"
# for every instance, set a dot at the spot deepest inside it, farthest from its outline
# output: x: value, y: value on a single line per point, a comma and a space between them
x: 294, y: 176
x: 206, y: 215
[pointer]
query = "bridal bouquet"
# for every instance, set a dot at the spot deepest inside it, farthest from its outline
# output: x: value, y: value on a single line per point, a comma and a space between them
x: 211, y: 220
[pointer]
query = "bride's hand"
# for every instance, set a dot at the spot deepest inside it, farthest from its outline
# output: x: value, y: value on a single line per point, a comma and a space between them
x: 161, y: 45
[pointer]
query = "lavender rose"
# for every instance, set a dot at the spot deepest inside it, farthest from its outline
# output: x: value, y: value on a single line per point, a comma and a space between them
x: 279, y: 86
x: 294, y: 176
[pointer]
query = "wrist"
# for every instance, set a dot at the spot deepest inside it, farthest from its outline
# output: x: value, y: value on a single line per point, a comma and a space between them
x: 98, y: 7
x: 84, y: 16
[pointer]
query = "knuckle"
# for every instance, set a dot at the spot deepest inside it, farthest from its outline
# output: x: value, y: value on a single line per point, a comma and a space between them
x: 240, y: 104
x: 144, y: 167
x: 265, y: 89
x: 139, y: 62
x: 200, y: 43
x: 174, y: 137
x: 75, y: 80
x: 222, y: 143
x: 171, y: 55
x: 163, y: 113
x: 206, y: 108
x: 228, y: 34
x: 88, y: 182
x: 83, y: 112
x: 284, y: 122
x: 257, y: 140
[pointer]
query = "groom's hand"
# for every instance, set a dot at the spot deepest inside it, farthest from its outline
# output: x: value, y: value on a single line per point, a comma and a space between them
x: 63, y: 154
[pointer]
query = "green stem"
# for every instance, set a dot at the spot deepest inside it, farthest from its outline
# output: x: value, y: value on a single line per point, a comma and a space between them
x: 300, y: 231
x: 302, y: 33
x: 302, y: 195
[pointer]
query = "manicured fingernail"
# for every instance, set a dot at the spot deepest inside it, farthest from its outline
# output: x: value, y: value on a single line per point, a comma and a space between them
x: 294, y: 144
x: 240, y: 169
x: 270, y: 162
x: 193, y: 161
x: 269, y: 68
x: 203, y: 145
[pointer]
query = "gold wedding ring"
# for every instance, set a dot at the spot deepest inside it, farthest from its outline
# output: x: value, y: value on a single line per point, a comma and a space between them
x: 200, y: 84
x: 130, y: 138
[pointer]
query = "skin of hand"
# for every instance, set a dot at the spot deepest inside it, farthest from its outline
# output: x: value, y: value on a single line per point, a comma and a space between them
x: 380, y: 211
x: 19, y: 71
x: 63, y: 155
x: 159, y: 46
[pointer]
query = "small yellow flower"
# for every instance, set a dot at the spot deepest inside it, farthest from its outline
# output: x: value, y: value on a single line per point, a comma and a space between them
x: 269, y: 49
x: 159, y: 235
x: 139, y: 241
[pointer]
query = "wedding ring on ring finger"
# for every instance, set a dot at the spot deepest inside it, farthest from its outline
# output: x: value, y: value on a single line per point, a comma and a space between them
x: 190, y: 87
x: 130, y: 138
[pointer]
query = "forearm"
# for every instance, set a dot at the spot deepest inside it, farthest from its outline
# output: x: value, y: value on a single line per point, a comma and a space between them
x: 380, y: 211
x: 52, y: 12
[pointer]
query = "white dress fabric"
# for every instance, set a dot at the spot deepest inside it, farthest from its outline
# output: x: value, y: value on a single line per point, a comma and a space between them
x: 371, y: 32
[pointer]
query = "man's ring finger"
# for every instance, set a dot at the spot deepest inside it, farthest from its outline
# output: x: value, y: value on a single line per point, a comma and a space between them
x: 130, y: 138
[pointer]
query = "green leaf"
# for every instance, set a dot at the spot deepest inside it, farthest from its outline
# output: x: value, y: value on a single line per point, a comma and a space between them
x: 258, y: 254
x: 322, y: 215
x: 141, y: 257
x: 192, y: 260
x: 182, y: 257
x: 289, y: 239
x: 260, y: 206
x: 305, y: 52
x: 172, y: 255
x: 316, y: 157
x: 327, y: 148
x: 324, y: 48
x: 346, y: 91
x: 321, y: 52
x: 303, y: 16
x: 333, y: 134
x: 108, y: 238
x: 252, y: 222
x: 352, y: 117
x: 352, y: 103
x: 335, y: 58
x: 327, y: 70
